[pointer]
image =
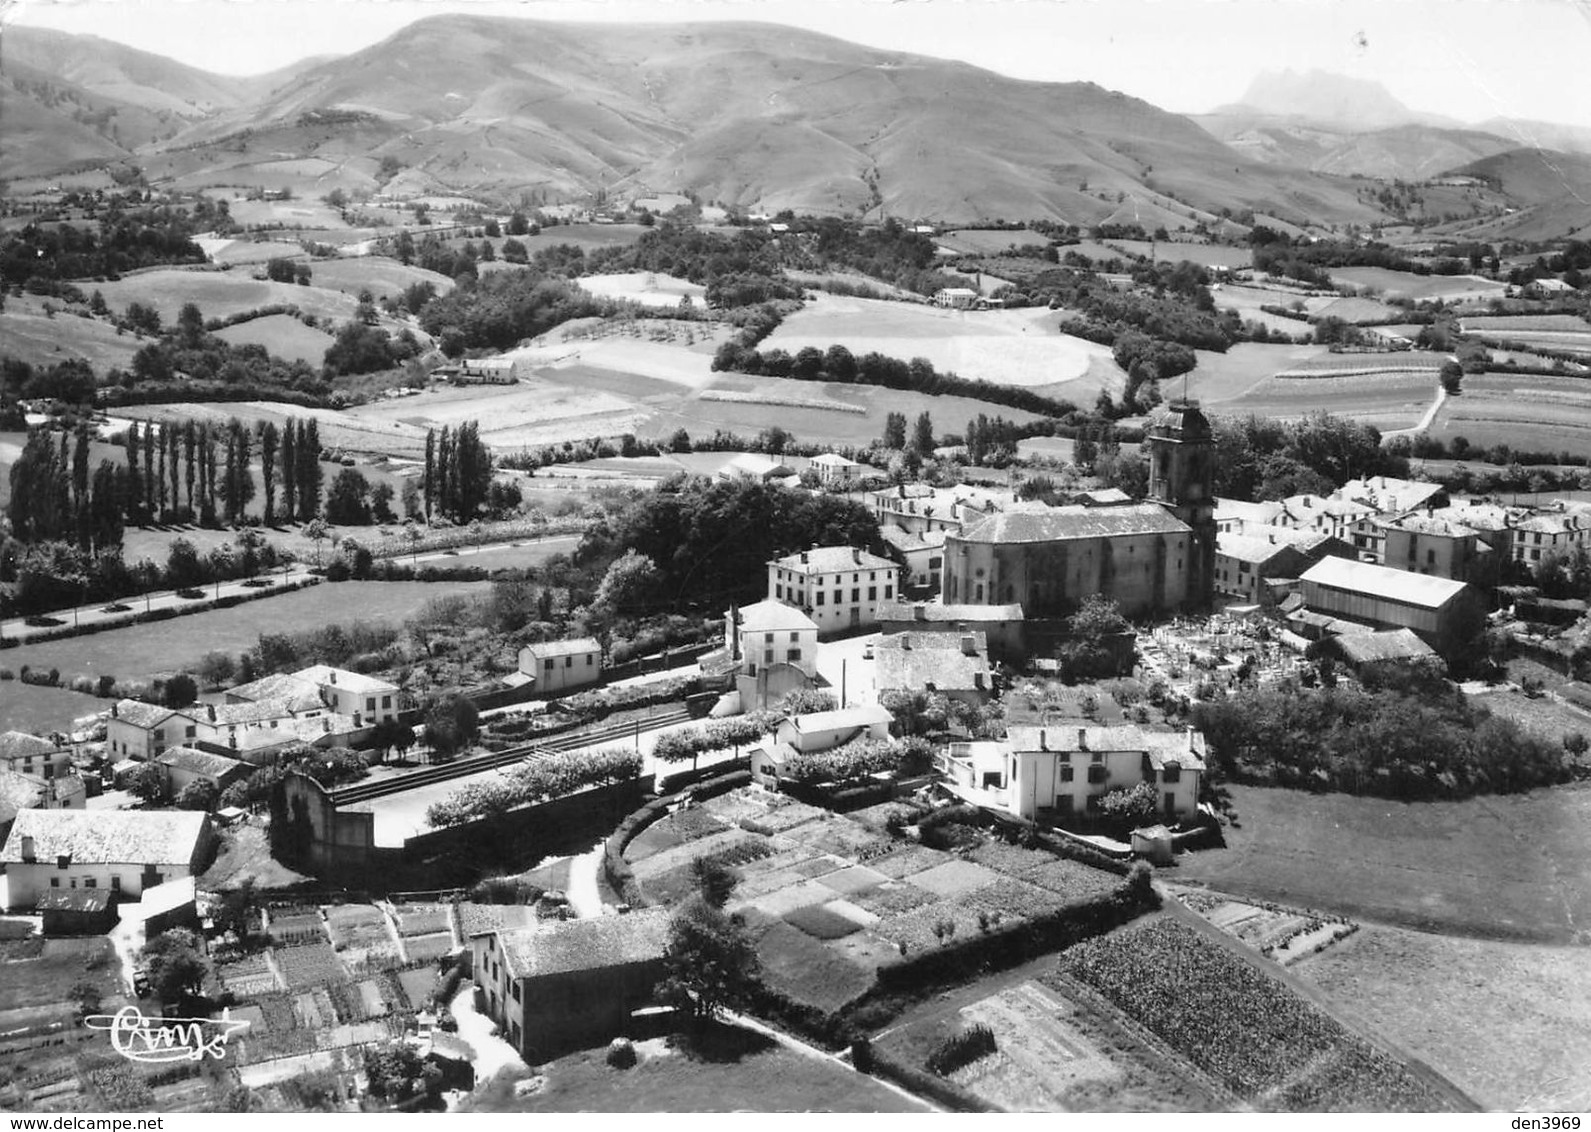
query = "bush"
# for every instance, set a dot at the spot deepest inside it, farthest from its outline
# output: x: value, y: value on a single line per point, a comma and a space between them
x: 621, y: 1053
x: 190, y: 594
x: 961, y: 1049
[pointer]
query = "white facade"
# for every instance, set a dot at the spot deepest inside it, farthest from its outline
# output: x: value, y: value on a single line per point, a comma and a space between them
x: 29, y: 754
x: 839, y: 587
x: 770, y: 633
x: 556, y: 665
x: 123, y: 851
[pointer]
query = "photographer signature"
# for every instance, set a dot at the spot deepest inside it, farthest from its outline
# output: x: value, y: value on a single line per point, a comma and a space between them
x: 156, y: 1040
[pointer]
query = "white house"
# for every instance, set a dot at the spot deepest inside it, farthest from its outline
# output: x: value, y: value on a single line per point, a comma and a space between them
x: 486, y: 371
x: 769, y: 633
x: 557, y: 665
x: 817, y: 731
x: 958, y: 298
x: 141, y: 731
x: 365, y: 699
x: 754, y: 466
x: 29, y: 754
x: 125, y: 851
x: 924, y: 552
x: 839, y: 587
x: 183, y: 766
x: 1053, y: 772
x: 832, y: 468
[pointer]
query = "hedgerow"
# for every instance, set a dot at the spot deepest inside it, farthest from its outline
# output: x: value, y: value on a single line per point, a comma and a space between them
x: 553, y: 776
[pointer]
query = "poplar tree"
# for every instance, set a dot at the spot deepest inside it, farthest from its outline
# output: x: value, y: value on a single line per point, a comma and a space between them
x: 289, y: 463
x: 268, y: 446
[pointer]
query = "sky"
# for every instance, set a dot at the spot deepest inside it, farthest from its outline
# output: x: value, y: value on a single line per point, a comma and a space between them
x: 1465, y: 59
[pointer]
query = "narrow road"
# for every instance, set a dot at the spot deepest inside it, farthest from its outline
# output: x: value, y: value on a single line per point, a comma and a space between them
x: 583, y: 893
x: 1425, y: 421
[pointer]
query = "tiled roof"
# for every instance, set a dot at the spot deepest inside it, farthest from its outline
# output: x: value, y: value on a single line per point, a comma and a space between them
x: 1425, y: 590
x: 478, y: 919
x: 575, y: 646
x: 200, y: 762
x: 1038, y: 523
x: 918, y: 660
x: 16, y: 744
x: 73, y: 900
x: 841, y: 718
x: 1248, y: 548
x: 1395, y: 644
x: 909, y: 541
x: 833, y: 459
x: 1185, y: 748
x: 273, y: 686
x: 934, y: 612
x: 1226, y: 509
x: 141, y: 715
x: 1428, y: 525
x: 750, y: 463
x: 322, y: 675
x: 563, y: 946
x: 1388, y: 494
x: 19, y: 792
x: 162, y: 837
x: 771, y: 616
x: 833, y: 560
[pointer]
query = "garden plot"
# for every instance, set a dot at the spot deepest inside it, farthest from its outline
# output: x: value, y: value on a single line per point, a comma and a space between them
x: 357, y: 926
x: 955, y: 878
x: 424, y: 948
x: 1042, y: 1055
x: 248, y: 976
x: 646, y: 288
x: 308, y: 965
x: 1283, y: 934
x: 909, y: 861
x: 806, y: 969
x: 676, y: 829
x: 422, y: 919
x: 293, y: 928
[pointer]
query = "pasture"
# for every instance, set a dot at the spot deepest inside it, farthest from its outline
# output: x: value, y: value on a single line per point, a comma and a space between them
x: 1387, y: 401
x: 221, y: 294
x: 288, y: 213
x: 1505, y: 867
x: 380, y: 275
x: 283, y: 336
x: 1249, y: 299
x: 1175, y: 251
x: 647, y: 288
x: 30, y: 335
x: 171, y: 646
x: 530, y: 413
x: 988, y: 241
x: 1222, y: 378
x: 231, y: 253
x: 1527, y: 412
x: 1504, y: 1021
x: 1405, y: 284
x: 1003, y: 347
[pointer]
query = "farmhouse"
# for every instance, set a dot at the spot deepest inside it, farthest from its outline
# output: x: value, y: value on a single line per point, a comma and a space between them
x: 1001, y: 625
x: 20, y: 792
x: 1548, y: 288
x: 839, y: 587
x: 1392, y: 496
x: 124, y: 851
x: 141, y: 731
x: 1327, y: 514
x: 832, y: 469
x: 486, y: 371
x: 957, y: 298
x: 29, y: 754
x: 556, y: 665
x: 365, y: 699
x: 1561, y: 529
x: 1052, y: 773
x: 1150, y: 557
x: 1446, y: 614
x: 920, y: 509
x: 953, y: 665
x: 570, y: 983
x: 183, y: 766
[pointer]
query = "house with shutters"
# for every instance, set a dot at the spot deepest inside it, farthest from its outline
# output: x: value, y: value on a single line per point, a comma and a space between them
x: 839, y: 587
x: 30, y: 754
x: 1052, y: 773
x: 124, y: 851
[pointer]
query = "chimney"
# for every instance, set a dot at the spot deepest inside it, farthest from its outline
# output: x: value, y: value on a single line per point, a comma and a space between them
x: 28, y: 854
x: 905, y: 642
x: 1082, y: 738
x: 332, y: 678
x: 115, y: 711
x: 1044, y: 739
x: 803, y: 558
x: 969, y: 645
x: 212, y: 712
x: 919, y: 612
x: 856, y: 556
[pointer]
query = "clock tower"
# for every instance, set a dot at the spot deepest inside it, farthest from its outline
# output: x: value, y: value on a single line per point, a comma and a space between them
x: 1181, y: 454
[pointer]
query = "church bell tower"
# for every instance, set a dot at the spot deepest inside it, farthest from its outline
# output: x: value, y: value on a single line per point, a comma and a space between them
x: 1181, y: 453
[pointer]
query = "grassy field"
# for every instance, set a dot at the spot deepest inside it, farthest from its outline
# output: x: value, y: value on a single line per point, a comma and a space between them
x: 1222, y: 378
x: 221, y: 294
x: 32, y: 336
x: 737, y: 1071
x: 1015, y: 347
x: 1527, y: 412
x: 281, y: 335
x: 982, y: 241
x: 644, y: 287
x: 1388, y: 401
x: 1167, y: 251
x: 1405, y: 284
x: 141, y: 650
x: 1505, y: 866
x: 1504, y: 1021
x: 1548, y: 718
x: 381, y: 275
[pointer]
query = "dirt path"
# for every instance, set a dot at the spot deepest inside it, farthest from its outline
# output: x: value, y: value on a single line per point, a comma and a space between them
x: 747, y: 1022
x: 492, y: 1054
x: 1424, y: 422
x: 1314, y: 995
x: 584, y: 895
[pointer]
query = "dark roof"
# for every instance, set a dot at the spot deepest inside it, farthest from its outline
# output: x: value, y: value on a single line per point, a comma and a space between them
x: 1038, y: 523
x: 564, y: 946
x: 1180, y: 419
x: 140, y: 714
x: 921, y: 660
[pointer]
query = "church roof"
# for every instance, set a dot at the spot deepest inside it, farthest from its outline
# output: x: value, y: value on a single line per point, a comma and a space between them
x: 1038, y: 523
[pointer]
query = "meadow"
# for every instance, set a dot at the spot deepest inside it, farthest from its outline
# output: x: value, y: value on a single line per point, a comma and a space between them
x: 980, y: 241
x: 221, y: 294
x: 1175, y: 251
x: 30, y: 335
x: 1505, y: 1021
x: 1511, y: 867
x: 1527, y: 412
x: 1004, y: 347
x: 382, y: 276
x: 1388, y: 401
x: 647, y: 288
x: 1405, y: 284
x: 283, y: 336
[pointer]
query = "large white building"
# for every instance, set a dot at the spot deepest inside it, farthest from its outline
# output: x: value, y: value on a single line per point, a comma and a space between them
x: 125, y: 851
x: 839, y: 587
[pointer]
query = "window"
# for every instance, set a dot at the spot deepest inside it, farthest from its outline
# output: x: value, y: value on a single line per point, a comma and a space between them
x: 820, y: 597
x: 386, y: 701
x: 856, y: 595
x: 192, y: 730
x: 49, y: 771
x: 768, y: 638
x: 1171, y: 773
x: 1066, y: 774
x: 1430, y: 558
x: 1096, y: 774
x: 590, y: 660
x: 55, y: 882
x: 370, y: 703
x: 568, y: 662
x: 794, y: 655
x: 90, y: 882
x: 767, y: 656
x: 795, y: 638
x: 872, y: 593
x: 889, y: 592
x: 778, y: 592
x: 115, y: 884
x: 548, y: 664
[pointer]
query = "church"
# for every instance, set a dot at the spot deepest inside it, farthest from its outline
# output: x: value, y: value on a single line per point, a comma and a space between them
x: 1154, y: 557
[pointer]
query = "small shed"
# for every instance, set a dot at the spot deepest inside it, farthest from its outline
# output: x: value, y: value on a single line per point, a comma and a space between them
x: 1153, y: 842
x: 77, y: 911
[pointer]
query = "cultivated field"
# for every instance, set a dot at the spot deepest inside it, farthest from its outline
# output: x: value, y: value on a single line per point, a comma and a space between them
x: 1405, y: 284
x: 981, y: 241
x: 1508, y: 866
x: 289, y: 213
x: 1015, y: 347
x: 283, y: 336
x: 1505, y: 1021
x: 233, y: 252
x: 644, y: 287
x: 1526, y: 412
x: 1220, y: 379
x: 1248, y: 299
x: 1172, y: 251
x: 1387, y: 401
x: 533, y: 412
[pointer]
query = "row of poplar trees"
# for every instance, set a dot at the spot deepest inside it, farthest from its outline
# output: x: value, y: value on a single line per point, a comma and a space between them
x: 201, y: 470
x: 458, y: 472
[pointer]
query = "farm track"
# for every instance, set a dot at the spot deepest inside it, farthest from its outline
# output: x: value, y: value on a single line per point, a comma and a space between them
x: 1461, y: 1101
x: 526, y: 752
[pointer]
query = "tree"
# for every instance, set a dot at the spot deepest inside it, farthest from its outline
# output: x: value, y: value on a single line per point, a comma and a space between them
x: 389, y: 735
x: 381, y: 503
x: 396, y: 1072
x: 317, y: 532
x: 629, y: 586
x: 895, y: 431
x: 923, y: 436
x: 183, y: 570
x: 714, y: 879
x: 1451, y: 376
x: 270, y: 444
x: 710, y: 963
x: 175, y: 964
x: 146, y: 783
x: 451, y: 723
x: 200, y: 794
x: 346, y: 502
x: 181, y: 690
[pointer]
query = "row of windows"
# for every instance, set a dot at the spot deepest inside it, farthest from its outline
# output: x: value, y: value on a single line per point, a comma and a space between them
x: 568, y: 662
x: 788, y: 575
x: 799, y: 596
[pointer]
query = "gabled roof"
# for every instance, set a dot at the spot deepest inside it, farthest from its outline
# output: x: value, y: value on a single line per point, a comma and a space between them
x: 755, y: 464
x: 832, y: 560
x: 1186, y: 749
x: 324, y: 675
x: 19, y: 792
x: 142, y: 715
x: 1027, y: 523
x: 909, y: 541
x: 1387, y: 493
x: 564, y: 946
x: 17, y: 744
x: 1394, y: 644
x: 1425, y: 590
x: 73, y: 900
x: 276, y: 685
x: 1252, y: 549
x: 937, y: 660
x: 483, y: 919
x: 841, y: 718
x: 769, y: 616
x: 161, y: 837
x: 1427, y: 525
x: 833, y: 459
x: 933, y: 612
x: 201, y: 762
x: 574, y: 646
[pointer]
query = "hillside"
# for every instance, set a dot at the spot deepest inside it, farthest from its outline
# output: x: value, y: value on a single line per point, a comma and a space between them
x: 1327, y: 100
x: 1552, y: 192
x: 1408, y: 152
x: 749, y: 114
